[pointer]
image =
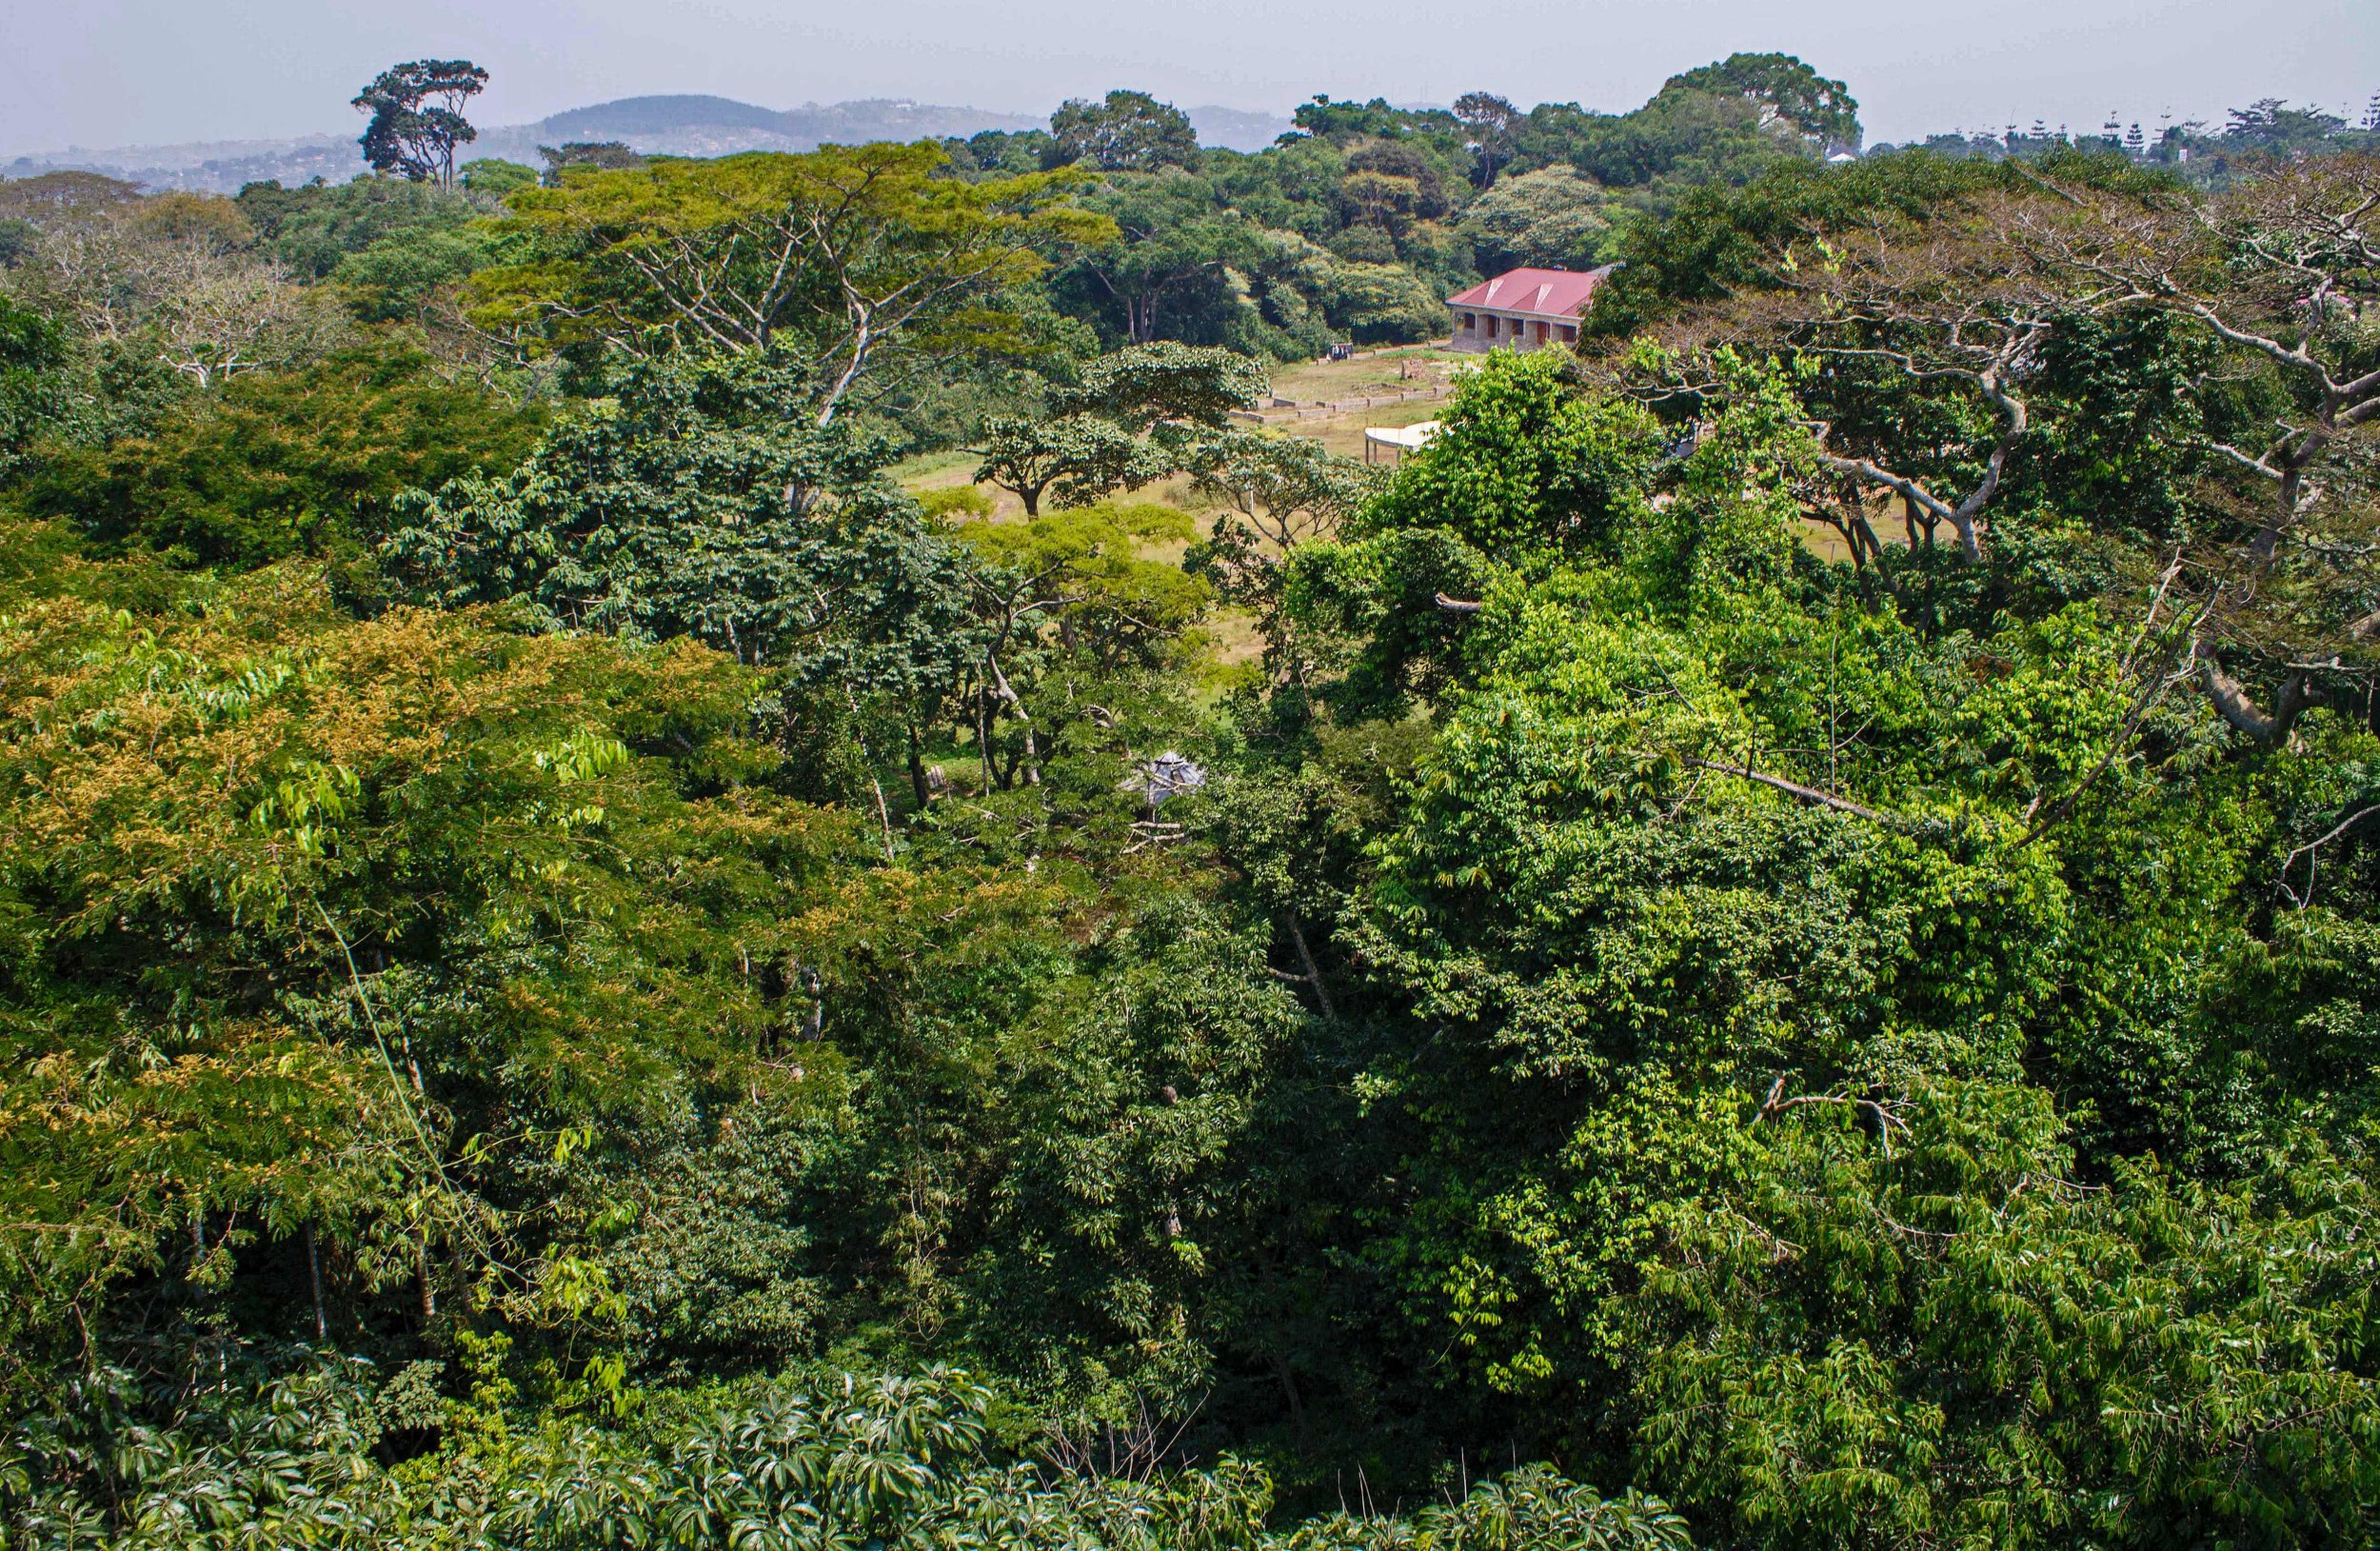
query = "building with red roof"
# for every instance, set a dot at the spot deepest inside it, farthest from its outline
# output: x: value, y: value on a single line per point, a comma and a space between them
x: 1523, y: 308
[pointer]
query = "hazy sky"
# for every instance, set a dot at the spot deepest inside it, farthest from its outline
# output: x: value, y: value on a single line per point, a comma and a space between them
x: 108, y: 72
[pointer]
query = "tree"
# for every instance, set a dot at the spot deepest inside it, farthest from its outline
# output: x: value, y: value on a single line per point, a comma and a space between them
x: 1166, y: 383
x: 693, y: 506
x: 1093, y: 444
x: 1279, y: 492
x: 610, y: 156
x: 1287, y: 489
x: 1421, y: 168
x: 1083, y: 458
x: 1524, y: 465
x: 51, y: 199
x: 1523, y: 460
x: 1128, y: 132
x: 417, y: 117
x: 1782, y: 85
x: 222, y: 317
x: 2083, y: 1321
x: 2282, y: 271
x: 1954, y: 309
x: 838, y: 261
x: 1554, y: 217
x: 367, y: 838
x: 1163, y: 274
x: 1487, y: 119
x: 495, y: 177
x: 1345, y: 120
x: 1938, y: 301
x: 32, y: 401
x: 312, y: 230
x: 281, y: 464
x: 1069, y: 597
x: 1371, y: 303
x: 2271, y: 125
x: 176, y: 279
x: 1678, y: 140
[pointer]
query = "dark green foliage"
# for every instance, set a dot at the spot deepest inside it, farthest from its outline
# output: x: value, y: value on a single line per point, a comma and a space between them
x: 1953, y: 1337
x: 1813, y: 106
x: 684, y: 507
x: 1181, y: 385
x: 602, y: 155
x: 1120, y: 1187
x: 282, y: 464
x: 417, y: 119
x: 496, y: 178
x: 32, y: 381
x: 390, y: 244
x: 1165, y: 276
x: 1552, y: 218
x: 1128, y: 132
x: 1524, y: 463
x: 1079, y: 458
x: 1724, y: 238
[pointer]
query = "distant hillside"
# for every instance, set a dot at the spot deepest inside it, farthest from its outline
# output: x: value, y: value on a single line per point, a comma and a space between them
x: 672, y: 124
x: 220, y: 166
x: 652, y: 116
x: 716, y: 126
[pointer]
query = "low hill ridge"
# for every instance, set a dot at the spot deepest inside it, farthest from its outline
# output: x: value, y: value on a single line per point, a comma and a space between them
x: 688, y: 124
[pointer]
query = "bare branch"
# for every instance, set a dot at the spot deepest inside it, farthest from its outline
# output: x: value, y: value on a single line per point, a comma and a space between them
x: 1808, y: 794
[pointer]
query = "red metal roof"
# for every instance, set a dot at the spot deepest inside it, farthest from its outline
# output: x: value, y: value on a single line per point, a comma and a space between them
x: 1545, y: 294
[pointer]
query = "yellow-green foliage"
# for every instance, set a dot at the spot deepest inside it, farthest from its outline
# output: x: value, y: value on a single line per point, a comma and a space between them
x: 732, y: 253
x: 220, y: 831
x: 1089, y: 566
x: 958, y: 500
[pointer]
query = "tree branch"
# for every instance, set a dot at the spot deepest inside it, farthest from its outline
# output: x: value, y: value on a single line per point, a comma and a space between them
x: 1794, y: 789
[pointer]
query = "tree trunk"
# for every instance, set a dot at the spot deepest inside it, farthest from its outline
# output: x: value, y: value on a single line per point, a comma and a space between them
x: 1314, y: 971
x: 2240, y: 709
x: 983, y: 735
x: 917, y: 770
x: 884, y: 814
x: 1016, y: 707
x: 315, y: 1278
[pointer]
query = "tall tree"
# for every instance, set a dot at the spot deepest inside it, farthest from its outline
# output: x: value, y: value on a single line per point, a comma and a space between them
x: 834, y: 261
x: 1487, y: 120
x: 417, y: 117
x: 1163, y: 274
x: 1822, y: 110
x: 1129, y: 132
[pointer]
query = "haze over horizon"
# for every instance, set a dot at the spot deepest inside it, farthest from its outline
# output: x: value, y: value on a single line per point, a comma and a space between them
x: 128, y: 72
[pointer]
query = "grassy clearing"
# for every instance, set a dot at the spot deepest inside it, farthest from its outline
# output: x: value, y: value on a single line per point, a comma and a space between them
x: 1397, y: 371
x: 1230, y: 635
x: 935, y: 470
x: 1344, y: 433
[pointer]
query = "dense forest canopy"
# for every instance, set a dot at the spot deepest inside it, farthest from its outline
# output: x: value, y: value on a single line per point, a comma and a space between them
x: 722, y: 852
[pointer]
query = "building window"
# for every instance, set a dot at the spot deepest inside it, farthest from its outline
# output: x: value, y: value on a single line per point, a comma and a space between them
x: 1569, y: 333
x: 1471, y: 321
